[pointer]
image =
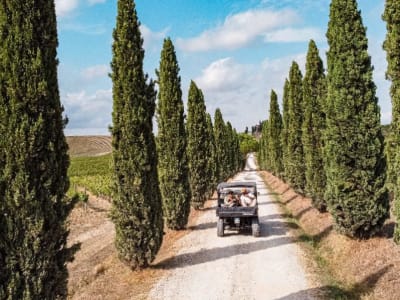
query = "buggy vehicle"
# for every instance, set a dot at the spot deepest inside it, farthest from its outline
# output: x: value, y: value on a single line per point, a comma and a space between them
x: 236, y: 217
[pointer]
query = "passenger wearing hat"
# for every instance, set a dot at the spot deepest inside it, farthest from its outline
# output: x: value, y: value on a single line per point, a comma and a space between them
x: 247, y: 199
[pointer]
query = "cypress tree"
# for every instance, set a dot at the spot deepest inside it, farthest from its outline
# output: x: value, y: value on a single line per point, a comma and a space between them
x: 171, y: 142
x: 137, y: 209
x: 211, y: 162
x: 314, y: 96
x: 33, y: 155
x: 238, y: 155
x: 221, y: 146
x: 197, y: 146
x: 295, y: 156
x: 355, y: 165
x: 392, y: 48
x: 285, y: 128
x: 231, y: 149
x: 274, y: 133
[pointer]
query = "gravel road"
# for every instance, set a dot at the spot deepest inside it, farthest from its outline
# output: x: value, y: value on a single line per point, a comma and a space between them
x: 237, y: 266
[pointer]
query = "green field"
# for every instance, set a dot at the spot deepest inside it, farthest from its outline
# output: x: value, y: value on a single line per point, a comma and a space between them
x: 91, y: 173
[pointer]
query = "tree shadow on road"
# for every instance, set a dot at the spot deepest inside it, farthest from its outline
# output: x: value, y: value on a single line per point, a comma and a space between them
x: 208, y: 255
x: 335, y: 292
x: 203, y: 226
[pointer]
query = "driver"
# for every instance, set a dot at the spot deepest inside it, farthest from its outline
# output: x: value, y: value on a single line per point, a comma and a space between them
x: 247, y: 198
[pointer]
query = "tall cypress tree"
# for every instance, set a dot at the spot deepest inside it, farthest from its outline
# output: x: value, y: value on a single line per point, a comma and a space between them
x: 285, y: 128
x: 212, y: 162
x: 231, y: 149
x: 314, y: 97
x: 197, y: 146
x: 137, y: 209
x: 33, y: 155
x: 221, y: 145
x: 173, y: 168
x: 295, y: 155
x: 355, y: 165
x: 274, y: 133
x: 392, y: 48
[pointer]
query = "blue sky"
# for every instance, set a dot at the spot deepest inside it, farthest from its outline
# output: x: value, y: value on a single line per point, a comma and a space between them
x: 235, y: 50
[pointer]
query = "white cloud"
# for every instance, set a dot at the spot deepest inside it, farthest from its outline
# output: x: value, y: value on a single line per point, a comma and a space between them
x: 95, y: 72
x: 289, y: 35
x: 239, y: 30
x: 242, y: 91
x: 88, y: 110
x: 151, y: 38
x: 64, y: 7
x: 223, y: 75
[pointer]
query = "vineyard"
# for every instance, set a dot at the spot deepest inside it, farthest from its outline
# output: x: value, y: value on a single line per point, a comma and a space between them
x: 92, y: 174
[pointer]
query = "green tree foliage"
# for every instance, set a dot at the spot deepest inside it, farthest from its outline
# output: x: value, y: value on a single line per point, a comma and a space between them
x: 295, y: 156
x: 33, y: 155
x: 274, y: 146
x: 173, y: 168
x: 285, y: 128
x: 263, y: 154
x: 231, y: 149
x: 198, y: 146
x: 355, y: 165
x: 248, y: 144
x: 314, y: 97
x: 221, y: 146
x: 211, y: 155
x: 137, y: 208
x: 392, y: 48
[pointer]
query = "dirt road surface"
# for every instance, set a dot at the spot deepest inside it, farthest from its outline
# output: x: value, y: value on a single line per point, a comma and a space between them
x: 237, y: 266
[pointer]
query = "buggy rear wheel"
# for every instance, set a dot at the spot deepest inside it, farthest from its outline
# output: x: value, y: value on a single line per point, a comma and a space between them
x: 255, y: 227
x: 220, y: 227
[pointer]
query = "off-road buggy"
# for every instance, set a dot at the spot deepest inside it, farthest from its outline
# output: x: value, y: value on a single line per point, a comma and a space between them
x: 237, y: 217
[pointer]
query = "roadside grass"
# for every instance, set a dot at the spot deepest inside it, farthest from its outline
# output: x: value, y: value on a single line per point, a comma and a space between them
x: 332, y: 288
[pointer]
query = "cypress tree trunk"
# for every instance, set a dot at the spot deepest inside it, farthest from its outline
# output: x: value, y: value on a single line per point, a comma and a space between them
x: 295, y: 155
x: 171, y: 142
x: 275, y: 131
x: 197, y: 146
x: 314, y: 94
x: 137, y: 210
x: 392, y: 48
x: 33, y: 155
x: 355, y: 165
x: 285, y: 128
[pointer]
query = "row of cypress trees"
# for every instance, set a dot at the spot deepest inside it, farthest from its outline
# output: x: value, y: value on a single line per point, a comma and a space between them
x: 34, y: 158
x: 157, y: 179
x: 331, y: 143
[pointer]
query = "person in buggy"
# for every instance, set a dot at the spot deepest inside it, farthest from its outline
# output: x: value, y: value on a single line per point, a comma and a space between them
x: 247, y: 199
x: 231, y: 200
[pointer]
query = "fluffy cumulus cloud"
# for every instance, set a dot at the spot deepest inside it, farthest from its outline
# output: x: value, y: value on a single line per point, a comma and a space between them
x: 94, y: 72
x: 88, y: 111
x: 64, y: 7
x: 239, y: 30
x: 290, y: 35
x: 242, y: 91
x: 223, y: 75
x: 151, y: 38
